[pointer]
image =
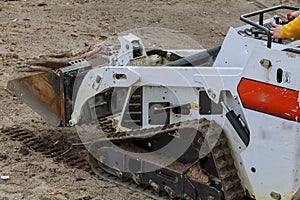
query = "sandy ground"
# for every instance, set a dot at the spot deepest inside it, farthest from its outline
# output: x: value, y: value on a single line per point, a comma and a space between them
x: 32, y: 28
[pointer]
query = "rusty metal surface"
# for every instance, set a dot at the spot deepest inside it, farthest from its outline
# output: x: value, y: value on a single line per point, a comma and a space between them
x: 62, y: 99
x: 42, y: 93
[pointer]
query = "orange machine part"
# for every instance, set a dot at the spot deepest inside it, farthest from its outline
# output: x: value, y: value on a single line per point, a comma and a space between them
x: 270, y: 99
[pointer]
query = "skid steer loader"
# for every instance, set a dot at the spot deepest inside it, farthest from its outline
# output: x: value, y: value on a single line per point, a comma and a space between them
x: 212, y: 124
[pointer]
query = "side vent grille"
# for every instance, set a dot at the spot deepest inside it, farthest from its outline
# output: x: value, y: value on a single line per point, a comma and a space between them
x: 133, y: 117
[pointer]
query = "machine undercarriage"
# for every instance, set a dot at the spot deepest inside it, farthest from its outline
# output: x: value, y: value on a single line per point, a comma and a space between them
x: 189, y: 177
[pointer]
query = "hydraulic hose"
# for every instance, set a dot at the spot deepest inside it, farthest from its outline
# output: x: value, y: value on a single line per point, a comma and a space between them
x: 197, y: 59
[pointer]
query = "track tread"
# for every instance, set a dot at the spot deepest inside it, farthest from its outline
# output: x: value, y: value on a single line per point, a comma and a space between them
x: 227, y: 171
x: 221, y: 153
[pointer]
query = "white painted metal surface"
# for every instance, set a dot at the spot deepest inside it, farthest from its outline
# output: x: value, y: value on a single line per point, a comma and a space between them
x: 271, y: 162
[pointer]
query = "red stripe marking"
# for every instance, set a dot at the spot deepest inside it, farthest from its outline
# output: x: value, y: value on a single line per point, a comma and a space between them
x: 270, y: 99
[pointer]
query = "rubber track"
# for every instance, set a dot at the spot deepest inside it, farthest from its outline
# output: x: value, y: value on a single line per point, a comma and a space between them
x: 129, y: 184
x: 224, y: 162
x: 221, y: 153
